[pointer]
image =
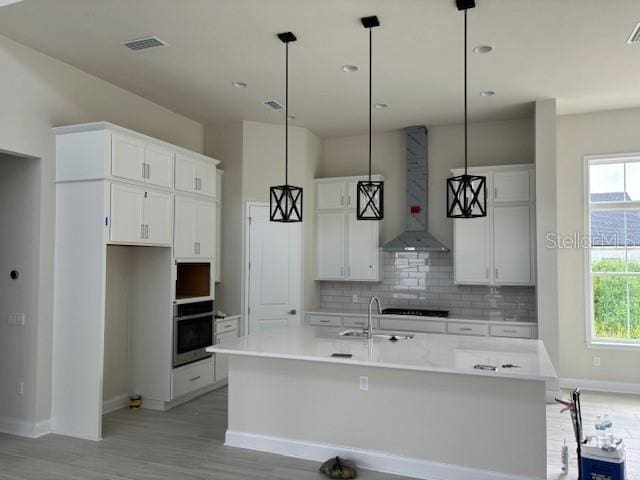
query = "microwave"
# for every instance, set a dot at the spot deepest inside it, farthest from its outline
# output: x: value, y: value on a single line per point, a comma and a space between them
x: 194, y: 280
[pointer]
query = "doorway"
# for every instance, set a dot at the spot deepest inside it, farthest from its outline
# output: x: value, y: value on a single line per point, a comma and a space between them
x: 273, y: 270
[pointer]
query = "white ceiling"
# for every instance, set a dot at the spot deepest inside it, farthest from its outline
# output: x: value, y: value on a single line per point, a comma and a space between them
x: 574, y: 50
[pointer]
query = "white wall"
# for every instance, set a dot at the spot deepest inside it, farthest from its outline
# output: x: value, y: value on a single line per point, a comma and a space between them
x: 546, y: 221
x: 19, y: 225
x: 252, y: 156
x: 36, y: 94
x: 490, y: 143
x: 116, y: 328
x: 577, y: 136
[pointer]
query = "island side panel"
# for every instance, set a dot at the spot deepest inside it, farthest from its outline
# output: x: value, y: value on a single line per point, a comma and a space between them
x: 479, y: 422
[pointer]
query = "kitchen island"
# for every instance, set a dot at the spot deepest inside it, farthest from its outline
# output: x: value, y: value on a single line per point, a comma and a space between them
x: 414, y: 407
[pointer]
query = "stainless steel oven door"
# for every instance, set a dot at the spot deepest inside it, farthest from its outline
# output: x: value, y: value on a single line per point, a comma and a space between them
x: 192, y: 334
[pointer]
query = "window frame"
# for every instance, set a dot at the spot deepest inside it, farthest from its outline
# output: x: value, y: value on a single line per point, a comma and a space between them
x: 591, y: 340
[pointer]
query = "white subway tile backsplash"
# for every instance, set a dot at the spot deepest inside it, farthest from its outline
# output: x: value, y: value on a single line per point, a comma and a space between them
x: 425, y: 280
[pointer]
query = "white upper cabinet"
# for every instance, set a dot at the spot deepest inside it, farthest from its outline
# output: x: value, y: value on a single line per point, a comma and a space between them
x: 512, y: 245
x: 511, y: 186
x: 471, y: 250
x: 128, y: 158
x: 218, y: 256
x: 195, y: 222
x: 140, y: 216
x: 330, y: 195
x: 158, y: 214
x: 127, y: 206
x: 159, y: 166
x: 330, y: 246
x: 346, y: 248
x: 195, y: 176
x: 499, y: 249
x: 134, y: 159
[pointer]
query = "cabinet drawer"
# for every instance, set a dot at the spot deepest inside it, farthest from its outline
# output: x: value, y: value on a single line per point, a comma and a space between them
x: 357, y: 322
x: 223, y: 338
x: 325, y: 320
x: 467, y: 329
x: 418, y: 326
x: 224, y: 326
x: 190, y: 378
x: 511, y: 331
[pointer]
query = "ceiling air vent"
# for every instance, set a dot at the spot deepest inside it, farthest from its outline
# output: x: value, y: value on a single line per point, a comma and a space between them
x: 635, y: 35
x: 144, y: 43
x: 273, y: 105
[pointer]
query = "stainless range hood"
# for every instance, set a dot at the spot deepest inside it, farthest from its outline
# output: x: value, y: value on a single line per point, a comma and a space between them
x: 416, y: 237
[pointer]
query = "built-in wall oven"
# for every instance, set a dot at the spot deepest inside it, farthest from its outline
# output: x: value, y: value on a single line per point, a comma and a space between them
x: 192, y: 331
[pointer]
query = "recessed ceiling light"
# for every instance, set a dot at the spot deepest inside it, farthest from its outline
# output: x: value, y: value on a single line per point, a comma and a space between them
x: 487, y: 93
x: 239, y: 84
x: 349, y: 68
x: 381, y: 106
x: 483, y: 49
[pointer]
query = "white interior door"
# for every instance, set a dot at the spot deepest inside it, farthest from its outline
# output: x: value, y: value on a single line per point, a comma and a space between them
x: 275, y: 272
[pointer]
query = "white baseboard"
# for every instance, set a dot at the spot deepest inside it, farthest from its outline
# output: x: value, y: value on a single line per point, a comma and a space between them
x: 163, y: 406
x: 601, y: 386
x: 24, y: 428
x: 367, y: 459
x: 115, y: 403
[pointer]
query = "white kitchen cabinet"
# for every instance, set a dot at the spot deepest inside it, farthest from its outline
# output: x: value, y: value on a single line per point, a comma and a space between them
x: 127, y: 157
x: 512, y: 245
x: 499, y: 249
x: 346, y: 248
x: 192, y: 377
x: 330, y: 246
x: 330, y: 195
x: 159, y: 166
x: 472, y: 251
x: 140, y: 216
x: 134, y: 159
x: 511, y: 186
x: 158, y: 214
x: 127, y: 206
x: 195, y: 176
x: 362, y: 249
x: 194, y: 228
x: 226, y: 329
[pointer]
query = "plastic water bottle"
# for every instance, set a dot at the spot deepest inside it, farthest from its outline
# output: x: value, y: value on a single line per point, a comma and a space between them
x: 564, y: 457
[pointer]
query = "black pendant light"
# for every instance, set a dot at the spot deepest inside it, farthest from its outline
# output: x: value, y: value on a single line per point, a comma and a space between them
x: 370, y: 201
x: 466, y: 194
x: 286, y: 200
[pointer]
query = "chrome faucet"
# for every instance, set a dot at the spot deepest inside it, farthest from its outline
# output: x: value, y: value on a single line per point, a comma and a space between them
x: 368, y: 329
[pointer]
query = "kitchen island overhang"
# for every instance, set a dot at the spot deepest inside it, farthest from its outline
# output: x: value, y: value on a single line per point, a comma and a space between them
x: 427, y: 412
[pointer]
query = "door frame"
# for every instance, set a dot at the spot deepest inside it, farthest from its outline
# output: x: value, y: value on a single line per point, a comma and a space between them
x: 245, y: 266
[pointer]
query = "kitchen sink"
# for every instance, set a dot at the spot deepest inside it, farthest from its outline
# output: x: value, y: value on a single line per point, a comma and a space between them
x: 391, y: 336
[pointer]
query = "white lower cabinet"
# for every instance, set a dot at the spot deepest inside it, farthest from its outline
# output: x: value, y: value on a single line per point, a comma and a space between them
x: 514, y: 331
x: 468, y: 329
x: 192, y: 377
x: 140, y: 216
x: 226, y: 329
x: 325, y: 320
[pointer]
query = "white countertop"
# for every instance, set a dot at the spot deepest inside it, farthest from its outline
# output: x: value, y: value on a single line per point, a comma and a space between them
x: 425, y: 352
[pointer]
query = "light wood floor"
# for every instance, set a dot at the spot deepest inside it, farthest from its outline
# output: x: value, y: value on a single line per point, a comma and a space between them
x: 186, y: 443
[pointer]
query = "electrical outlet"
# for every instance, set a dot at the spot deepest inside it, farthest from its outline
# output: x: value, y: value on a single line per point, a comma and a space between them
x: 596, y: 361
x: 20, y: 388
x: 364, y: 384
x: 354, y: 298
x: 16, y: 319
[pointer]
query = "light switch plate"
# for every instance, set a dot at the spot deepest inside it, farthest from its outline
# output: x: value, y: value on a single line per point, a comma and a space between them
x: 16, y: 319
x: 364, y: 383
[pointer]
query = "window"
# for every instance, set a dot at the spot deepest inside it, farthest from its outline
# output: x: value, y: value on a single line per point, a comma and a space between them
x: 613, y: 253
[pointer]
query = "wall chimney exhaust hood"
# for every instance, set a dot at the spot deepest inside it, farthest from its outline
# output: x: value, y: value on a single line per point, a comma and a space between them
x: 416, y: 237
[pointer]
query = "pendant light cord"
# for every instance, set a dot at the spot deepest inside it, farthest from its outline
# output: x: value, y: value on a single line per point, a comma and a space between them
x: 466, y: 121
x: 286, y: 114
x: 370, y: 93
